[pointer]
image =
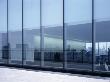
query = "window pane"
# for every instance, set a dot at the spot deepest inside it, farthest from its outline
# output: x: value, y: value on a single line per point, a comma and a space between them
x: 3, y: 31
x: 78, y: 34
x: 102, y: 31
x: 52, y: 20
x: 32, y: 32
x: 15, y: 31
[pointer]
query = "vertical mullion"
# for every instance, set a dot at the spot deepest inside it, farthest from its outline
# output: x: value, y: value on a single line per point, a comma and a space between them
x: 93, y: 38
x: 22, y: 37
x: 7, y: 37
x: 64, y: 39
x: 42, y: 36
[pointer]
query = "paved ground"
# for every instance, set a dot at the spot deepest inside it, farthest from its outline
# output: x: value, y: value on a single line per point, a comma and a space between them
x: 21, y: 75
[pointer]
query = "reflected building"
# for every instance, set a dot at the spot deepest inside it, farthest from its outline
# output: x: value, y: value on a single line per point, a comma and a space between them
x: 60, y: 34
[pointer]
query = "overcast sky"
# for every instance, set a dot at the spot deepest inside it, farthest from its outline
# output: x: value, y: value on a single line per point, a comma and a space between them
x: 52, y: 10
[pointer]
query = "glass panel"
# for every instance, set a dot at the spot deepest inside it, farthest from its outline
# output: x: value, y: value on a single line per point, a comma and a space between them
x: 78, y: 34
x: 32, y: 32
x: 52, y: 20
x: 3, y: 32
x: 102, y: 29
x: 15, y: 31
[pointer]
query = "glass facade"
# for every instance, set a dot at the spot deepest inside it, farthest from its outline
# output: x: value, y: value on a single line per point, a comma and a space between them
x: 52, y: 22
x: 78, y: 33
x: 31, y: 32
x: 102, y: 31
x: 3, y: 32
x: 15, y: 31
x: 65, y: 34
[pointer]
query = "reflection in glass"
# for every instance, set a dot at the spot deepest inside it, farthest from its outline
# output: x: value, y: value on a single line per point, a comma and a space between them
x: 15, y: 31
x: 38, y: 28
x: 3, y: 32
x: 78, y: 34
x: 52, y: 20
x: 102, y: 31
x: 32, y: 32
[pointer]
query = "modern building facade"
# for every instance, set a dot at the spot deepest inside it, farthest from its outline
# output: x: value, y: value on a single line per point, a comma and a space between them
x: 59, y: 34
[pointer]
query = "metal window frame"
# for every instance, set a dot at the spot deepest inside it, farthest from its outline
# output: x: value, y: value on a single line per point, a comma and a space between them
x: 64, y: 70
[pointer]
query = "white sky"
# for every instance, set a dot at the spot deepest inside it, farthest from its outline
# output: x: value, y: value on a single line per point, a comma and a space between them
x: 75, y: 11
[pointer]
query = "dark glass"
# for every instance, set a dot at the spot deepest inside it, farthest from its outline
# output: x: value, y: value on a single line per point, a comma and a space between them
x: 78, y: 34
x: 32, y: 32
x: 15, y: 31
x: 102, y: 31
x: 3, y: 32
x: 52, y: 20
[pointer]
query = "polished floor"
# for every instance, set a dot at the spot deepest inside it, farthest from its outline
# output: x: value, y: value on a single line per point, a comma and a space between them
x: 23, y: 75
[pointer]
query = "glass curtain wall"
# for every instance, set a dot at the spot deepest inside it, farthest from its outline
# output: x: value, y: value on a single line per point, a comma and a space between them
x: 15, y: 31
x: 3, y: 32
x: 31, y: 31
x: 102, y: 32
x: 78, y: 34
x: 42, y: 26
x: 52, y: 24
